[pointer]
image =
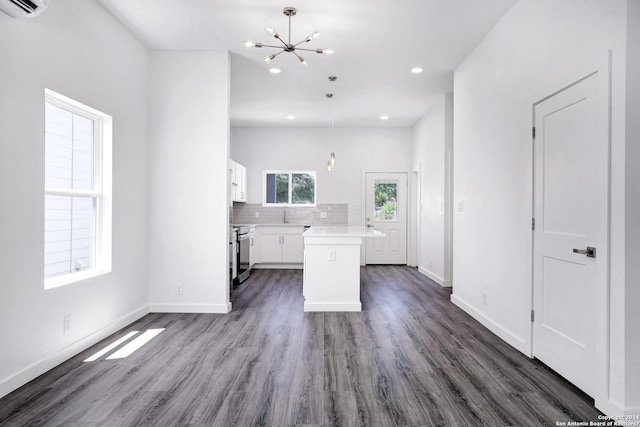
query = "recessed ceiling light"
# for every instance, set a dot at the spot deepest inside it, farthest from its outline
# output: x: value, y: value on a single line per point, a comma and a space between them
x: 275, y: 70
x: 291, y: 117
x: 384, y: 117
x: 416, y: 70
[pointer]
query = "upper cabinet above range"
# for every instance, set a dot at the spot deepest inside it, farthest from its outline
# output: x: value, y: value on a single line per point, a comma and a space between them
x: 238, y: 175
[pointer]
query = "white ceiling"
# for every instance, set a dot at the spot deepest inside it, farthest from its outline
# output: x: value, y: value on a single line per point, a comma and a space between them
x: 376, y: 43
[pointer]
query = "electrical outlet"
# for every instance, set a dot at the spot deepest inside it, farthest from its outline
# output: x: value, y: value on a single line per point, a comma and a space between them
x: 178, y: 288
x: 257, y: 214
x: 66, y: 323
x: 484, y: 298
x: 331, y: 256
x: 323, y: 214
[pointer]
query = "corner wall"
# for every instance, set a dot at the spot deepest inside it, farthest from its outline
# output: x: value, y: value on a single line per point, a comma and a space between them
x: 188, y: 195
x: 532, y: 52
x: 432, y: 140
x: 632, y: 214
x: 65, y: 49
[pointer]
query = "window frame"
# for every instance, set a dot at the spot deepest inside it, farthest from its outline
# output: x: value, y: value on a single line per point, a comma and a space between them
x: 290, y: 189
x: 101, y: 192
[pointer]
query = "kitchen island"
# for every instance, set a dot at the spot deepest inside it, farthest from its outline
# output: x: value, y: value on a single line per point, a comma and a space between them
x: 331, y: 277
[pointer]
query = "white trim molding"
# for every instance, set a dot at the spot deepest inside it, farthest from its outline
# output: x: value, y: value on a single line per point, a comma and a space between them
x: 506, y: 335
x: 439, y: 280
x: 9, y: 384
x: 190, y: 308
x: 332, y: 306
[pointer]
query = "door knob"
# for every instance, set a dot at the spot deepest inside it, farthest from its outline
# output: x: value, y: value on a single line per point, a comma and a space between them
x: 590, y: 251
x: 370, y: 225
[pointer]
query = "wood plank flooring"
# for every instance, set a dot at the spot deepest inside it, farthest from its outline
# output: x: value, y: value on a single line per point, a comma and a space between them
x: 410, y: 358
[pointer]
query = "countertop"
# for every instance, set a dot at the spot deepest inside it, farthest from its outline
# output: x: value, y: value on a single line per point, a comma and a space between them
x: 341, y: 231
x: 279, y: 224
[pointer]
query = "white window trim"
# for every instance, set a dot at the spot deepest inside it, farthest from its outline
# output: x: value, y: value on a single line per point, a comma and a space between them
x: 103, y: 162
x: 290, y: 173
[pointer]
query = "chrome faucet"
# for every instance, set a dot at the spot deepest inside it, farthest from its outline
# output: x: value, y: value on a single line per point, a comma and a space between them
x: 284, y: 216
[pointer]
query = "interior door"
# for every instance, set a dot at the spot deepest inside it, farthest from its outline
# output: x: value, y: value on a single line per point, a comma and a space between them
x: 386, y: 211
x: 570, y: 234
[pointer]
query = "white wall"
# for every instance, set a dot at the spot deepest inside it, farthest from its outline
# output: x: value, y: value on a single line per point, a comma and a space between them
x: 632, y: 201
x: 188, y: 197
x: 66, y: 49
x: 358, y: 150
x: 535, y: 49
x: 431, y: 140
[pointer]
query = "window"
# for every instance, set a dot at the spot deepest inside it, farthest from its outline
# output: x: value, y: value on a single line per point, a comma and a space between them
x: 386, y: 208
x: 290, y: 188
x: 77, y: 205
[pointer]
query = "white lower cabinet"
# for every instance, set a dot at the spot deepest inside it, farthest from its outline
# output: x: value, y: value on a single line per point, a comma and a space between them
x: 281, y: 244
x: 270, y: 248
x: 292, y: 248
x: 254, y: 254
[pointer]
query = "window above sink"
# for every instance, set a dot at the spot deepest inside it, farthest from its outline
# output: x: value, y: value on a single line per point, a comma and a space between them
x: 289, y: 188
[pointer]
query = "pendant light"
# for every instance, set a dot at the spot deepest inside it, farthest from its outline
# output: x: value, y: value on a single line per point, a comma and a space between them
x: 331, y: 163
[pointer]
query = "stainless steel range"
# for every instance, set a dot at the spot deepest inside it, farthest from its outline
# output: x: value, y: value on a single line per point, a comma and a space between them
x: 245, y: 242
x: 233, y: 257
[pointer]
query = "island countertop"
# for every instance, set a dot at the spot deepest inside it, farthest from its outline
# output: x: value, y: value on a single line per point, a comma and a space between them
x: 341, y: 231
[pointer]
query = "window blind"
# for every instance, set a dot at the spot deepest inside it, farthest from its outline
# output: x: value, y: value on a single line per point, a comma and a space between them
x: 70, y: 219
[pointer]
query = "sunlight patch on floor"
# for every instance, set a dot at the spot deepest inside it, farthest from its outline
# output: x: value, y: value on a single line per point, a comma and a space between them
x: 134, y: 345
x: 110, y: 347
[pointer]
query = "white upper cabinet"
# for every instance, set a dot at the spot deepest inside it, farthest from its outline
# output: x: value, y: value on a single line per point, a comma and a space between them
x: 238, y: 181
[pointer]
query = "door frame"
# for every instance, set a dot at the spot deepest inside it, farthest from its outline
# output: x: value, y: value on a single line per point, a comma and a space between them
x: 413, y: 215
x: 601, y: 66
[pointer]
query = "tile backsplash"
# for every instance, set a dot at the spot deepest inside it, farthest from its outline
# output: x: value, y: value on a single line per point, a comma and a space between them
x: 322, y: 214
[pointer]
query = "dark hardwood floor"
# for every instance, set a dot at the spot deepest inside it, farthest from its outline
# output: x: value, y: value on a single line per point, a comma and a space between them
x: 410, y: 358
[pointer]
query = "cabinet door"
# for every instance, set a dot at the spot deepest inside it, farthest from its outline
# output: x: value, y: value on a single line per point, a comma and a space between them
x: 238, y: 182
x: 293, y: 248
x: 234, y: 182
x: 270, y: 248
x: 254, y: 254
x: 242, y: 184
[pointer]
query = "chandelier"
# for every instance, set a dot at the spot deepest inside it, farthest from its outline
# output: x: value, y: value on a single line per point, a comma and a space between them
x: 288, y: 46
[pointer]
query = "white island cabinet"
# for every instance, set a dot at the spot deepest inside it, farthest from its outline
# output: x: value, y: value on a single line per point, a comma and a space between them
x: 331, y: 277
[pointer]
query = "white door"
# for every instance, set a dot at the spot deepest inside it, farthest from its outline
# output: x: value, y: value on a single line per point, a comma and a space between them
x: 570, y: 234
x: 386, y: 211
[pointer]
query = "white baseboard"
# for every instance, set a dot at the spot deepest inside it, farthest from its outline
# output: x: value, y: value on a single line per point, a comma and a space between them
x: 439, y: 280
x: 266, y: 266
x: 38, y: 368
x: 190, y: 308
x: 318, y: 306
x: 611, y: 408
x: 504, y: 334
x: 632, y: 411
x: 616, y: 410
